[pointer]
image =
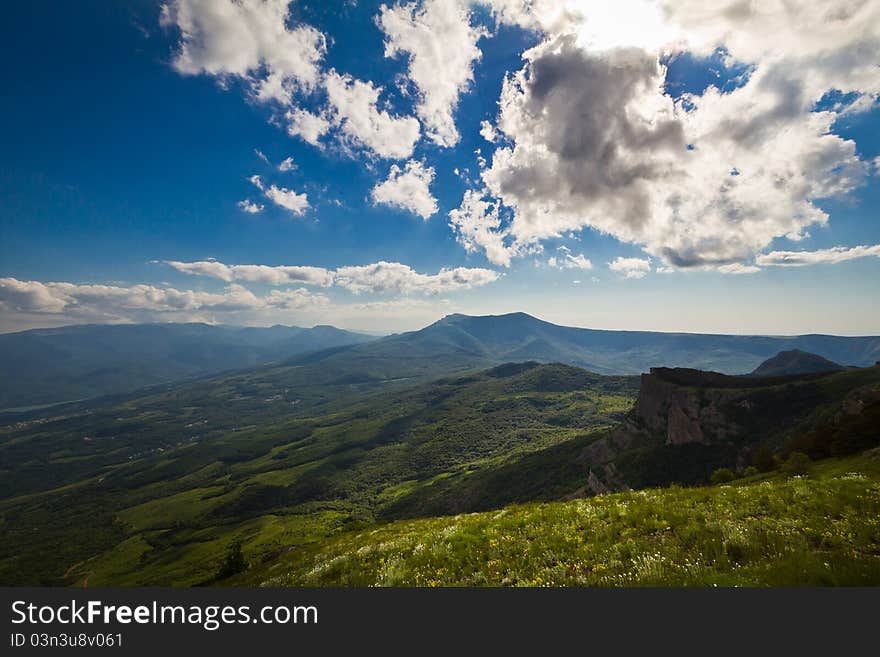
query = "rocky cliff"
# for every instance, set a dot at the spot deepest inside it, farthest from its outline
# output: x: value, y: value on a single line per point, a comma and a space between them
x: 687, y: 422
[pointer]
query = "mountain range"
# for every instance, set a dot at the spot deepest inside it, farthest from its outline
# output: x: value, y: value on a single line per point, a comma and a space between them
x: 518, y: 336
x: 46, y: 366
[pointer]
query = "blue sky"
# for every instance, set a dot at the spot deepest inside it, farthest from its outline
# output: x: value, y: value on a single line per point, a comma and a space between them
x: 130, y: 142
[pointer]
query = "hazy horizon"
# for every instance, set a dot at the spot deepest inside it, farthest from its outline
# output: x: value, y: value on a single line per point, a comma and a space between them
x: 383, y: 333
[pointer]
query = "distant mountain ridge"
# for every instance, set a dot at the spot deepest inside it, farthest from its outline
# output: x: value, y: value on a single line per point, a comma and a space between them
x: 462, y: 341
x: 45, y: 366
x: 795, y: 361
x: 56, y: 365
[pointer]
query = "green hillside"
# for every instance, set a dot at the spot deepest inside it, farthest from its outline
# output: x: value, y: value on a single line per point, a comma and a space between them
x: 187, y: 484
x: 819, y: 529
x: 154, y: 490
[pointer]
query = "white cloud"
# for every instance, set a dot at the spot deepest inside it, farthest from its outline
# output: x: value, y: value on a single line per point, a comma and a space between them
x: 260, y: 154
x: 589, y: 135
x: 408, y: 188
x: 395, y: 277
x: 567, y: 260
x: 139, y: 301
x: 378, y: 277
x: 309, y: 127
x: 596, y: 142
x: 282, y: 197
x: 736, y: 268
x: 268, y: 275
x: 288, y: 199
x: 630, y: 267
x: 280, y: 62
x: 801, y: 258
x: 246, y: 205
x: 596, y: 24
x: 247, y: 39
x: 442, y: 48
x: 287, y: 164
x: 488, y: 132
x: 355, y: 110
x: 477, y: 225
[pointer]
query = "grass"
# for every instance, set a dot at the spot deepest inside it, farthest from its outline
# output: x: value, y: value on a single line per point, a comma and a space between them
x: 820, y: 529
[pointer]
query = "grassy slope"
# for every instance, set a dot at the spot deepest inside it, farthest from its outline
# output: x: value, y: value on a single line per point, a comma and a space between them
x: 822, y: 529
x: 169, y: 514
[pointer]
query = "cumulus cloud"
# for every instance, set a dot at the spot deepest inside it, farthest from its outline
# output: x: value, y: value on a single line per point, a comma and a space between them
x: 307, y: 126
x: 395, y: 277
x: 281, y: 196
x: 246, y: 205
x: 477, y: 224
x: 441, y: 45
x: 355, y: 109
x: 287, y: 199
x: 706, y: 180
x: 287, y: 164
x: 280, y: 62
x: 488, y: 132
x: 268, y: 275
x: 630, y: 267
x: 408, y: 188
x: 378, y: 277
x: 801, y: 258
x: 140, y: 301
x: 247, y: 39
x: 590, y: 134
x: 567, y: 260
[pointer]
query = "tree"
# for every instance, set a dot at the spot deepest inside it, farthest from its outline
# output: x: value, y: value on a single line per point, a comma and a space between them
x: 797, y: 464
x: 233, y: 564
x: 763, y: 459
x: 721, y: 476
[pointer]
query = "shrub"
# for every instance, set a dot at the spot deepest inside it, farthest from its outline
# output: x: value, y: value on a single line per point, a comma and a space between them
x: 721, y: 476
x: 763, y: 459
x: 797, y: 464
x: 751, y: 471
x: 233, y: 564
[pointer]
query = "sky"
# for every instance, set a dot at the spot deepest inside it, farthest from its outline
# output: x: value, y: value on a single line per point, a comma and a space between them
x: 668, y: 165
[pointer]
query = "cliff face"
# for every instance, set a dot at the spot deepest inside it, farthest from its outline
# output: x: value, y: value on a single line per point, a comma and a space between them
x: 686, y: 422
x: 684, y: 414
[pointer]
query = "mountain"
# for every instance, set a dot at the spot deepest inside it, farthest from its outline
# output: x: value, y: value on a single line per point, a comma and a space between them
x: 54, y: 365
x: 46, y: 366
x: 795, y: 361
x: 459, y: 342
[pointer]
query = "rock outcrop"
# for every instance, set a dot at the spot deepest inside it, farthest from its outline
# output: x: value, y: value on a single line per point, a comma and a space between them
x: 687, y: 422
x: 685, y: 414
